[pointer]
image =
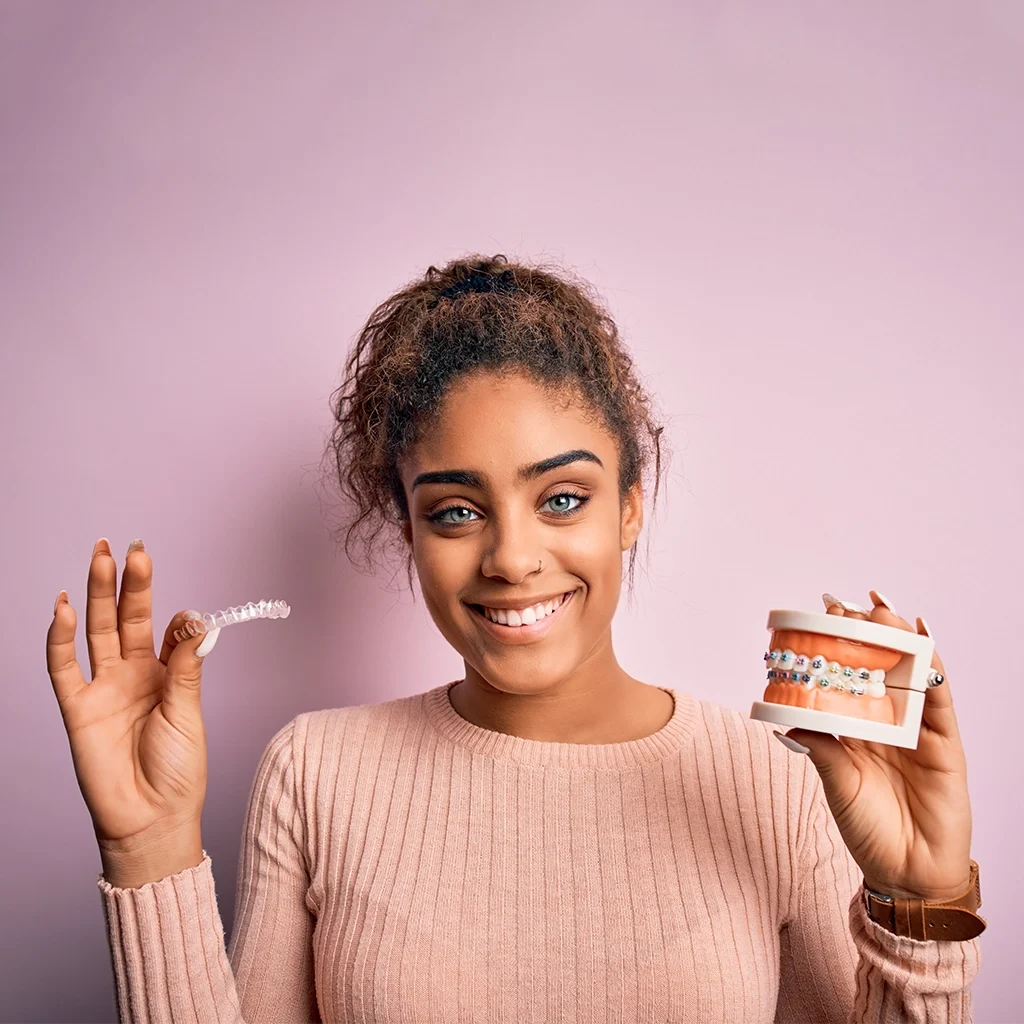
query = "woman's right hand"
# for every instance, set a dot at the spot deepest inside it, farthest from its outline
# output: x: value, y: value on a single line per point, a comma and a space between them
x: 136, y: 731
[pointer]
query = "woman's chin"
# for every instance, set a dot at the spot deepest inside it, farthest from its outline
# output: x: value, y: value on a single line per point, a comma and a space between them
x: 508, y: 678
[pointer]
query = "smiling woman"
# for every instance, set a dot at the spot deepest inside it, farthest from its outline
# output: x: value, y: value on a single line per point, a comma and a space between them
x: 478, y: 315
x: 545, y: 838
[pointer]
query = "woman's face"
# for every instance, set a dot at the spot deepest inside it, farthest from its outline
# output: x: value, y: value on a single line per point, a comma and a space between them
x: 492, y: 526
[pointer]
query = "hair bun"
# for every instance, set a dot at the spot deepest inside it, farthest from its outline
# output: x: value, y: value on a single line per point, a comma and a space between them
x: 480, y: 281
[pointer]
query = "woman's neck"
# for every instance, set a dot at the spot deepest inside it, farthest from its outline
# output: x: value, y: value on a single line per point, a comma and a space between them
x: 610, y: 707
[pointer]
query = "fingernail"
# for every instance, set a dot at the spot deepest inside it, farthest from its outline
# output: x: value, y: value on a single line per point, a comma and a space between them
x: 62, y: 596
x: 798, y: 748
x: 102, y: 545
x: 208, y: 641
x: 848, y: 605
x: 135, y: 545
x: 924, y: 626
x: 882, y: 599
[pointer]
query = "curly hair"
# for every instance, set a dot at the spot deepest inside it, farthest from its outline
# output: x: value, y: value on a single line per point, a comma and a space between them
x: 476, y: 313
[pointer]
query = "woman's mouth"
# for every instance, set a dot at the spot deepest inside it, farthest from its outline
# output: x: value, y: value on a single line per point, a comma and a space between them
x: 522, y: 625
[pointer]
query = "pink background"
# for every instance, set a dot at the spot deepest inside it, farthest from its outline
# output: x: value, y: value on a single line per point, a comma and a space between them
x: 807, y: 219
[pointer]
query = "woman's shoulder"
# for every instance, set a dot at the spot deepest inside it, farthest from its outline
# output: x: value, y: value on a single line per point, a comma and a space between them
x: 755, y: 780
x: 742, y: 745
x: 719, y: 720
x: 351, y: 729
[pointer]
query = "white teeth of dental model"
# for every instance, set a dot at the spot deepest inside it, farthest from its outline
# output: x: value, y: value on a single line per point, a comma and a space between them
x: 197, y: 622
x: 789, y: 666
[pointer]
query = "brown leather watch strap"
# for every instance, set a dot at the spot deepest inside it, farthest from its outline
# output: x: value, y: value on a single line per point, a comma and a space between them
x: 953, y: 919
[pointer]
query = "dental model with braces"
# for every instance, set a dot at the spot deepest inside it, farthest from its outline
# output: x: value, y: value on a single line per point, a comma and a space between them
x: 846, y: 676
x: 197, y: 623
x: 819, y: 671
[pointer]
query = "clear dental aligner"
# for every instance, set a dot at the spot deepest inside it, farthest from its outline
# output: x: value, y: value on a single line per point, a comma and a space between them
x: 818, y: 671
x: 206, y: 623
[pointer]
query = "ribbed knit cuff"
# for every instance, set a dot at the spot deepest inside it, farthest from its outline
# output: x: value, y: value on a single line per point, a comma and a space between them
x: 167, y: 948
x: 924, y: 968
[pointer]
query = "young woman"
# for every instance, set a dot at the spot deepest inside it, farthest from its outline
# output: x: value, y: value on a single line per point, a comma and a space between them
x: 547, y: 838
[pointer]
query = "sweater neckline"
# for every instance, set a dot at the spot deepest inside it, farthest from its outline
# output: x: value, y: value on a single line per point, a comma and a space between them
x: 608, y: 756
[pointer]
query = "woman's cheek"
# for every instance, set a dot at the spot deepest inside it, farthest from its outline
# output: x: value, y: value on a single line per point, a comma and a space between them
x: 593, y: 555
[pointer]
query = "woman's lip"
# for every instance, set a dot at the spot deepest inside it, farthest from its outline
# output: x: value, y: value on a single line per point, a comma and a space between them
x: 521, y: 634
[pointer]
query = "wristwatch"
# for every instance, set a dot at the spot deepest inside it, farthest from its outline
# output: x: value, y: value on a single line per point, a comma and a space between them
x: 954, y: 919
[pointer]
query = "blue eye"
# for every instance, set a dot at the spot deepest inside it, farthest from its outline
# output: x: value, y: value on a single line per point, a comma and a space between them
x: 579, y: 498
x: 456, y: 515
x: 438, y: 517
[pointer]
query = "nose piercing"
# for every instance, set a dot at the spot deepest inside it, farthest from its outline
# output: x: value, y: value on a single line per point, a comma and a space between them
x: 540, y: 565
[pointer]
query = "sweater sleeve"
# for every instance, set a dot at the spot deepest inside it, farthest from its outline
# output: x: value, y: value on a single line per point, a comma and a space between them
x: 840, y: 967
x: 167, y: 939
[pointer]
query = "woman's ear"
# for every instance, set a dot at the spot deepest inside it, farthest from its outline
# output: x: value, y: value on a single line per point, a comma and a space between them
x: 632, y: 515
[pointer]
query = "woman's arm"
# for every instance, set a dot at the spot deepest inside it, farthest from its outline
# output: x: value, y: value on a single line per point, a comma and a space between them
x: 167, y: 940
x: 838, y: 966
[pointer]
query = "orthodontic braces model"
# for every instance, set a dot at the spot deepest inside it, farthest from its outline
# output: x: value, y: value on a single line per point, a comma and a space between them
x: 819, y: 671
x: 904, y: 682
x: 197, y: 623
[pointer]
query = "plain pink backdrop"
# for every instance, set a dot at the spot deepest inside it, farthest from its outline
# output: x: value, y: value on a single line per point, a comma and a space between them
x: 807, y: 219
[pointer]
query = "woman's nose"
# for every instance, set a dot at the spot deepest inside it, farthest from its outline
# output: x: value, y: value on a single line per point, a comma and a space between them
x: 513, y: 555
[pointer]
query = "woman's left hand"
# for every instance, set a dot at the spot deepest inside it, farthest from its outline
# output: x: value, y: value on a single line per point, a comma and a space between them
x: 904, y: 814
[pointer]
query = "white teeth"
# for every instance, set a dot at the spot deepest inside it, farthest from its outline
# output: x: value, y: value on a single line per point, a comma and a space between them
x: 790, y: 666
x: 523, y: 616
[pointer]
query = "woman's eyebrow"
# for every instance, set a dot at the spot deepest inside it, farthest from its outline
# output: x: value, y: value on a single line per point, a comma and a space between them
x: 470, y: 478
x: 536, y: 469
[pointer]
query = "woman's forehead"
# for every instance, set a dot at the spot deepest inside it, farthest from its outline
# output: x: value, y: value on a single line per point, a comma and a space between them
x: 498, y: 427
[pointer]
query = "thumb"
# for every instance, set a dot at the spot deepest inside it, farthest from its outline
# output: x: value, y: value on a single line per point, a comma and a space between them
x: 185, y: 663
x: 839, y: 775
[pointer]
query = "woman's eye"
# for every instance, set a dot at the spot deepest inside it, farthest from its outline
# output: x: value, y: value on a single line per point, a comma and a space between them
x: 560, y: 502
x: 565, y: 504
x: 459, y: 517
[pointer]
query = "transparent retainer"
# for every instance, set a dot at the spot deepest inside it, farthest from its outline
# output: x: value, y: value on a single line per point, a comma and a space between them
x: 198, y: 622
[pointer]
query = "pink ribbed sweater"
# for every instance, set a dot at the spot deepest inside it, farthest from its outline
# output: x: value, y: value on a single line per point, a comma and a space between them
x: 402, y: 865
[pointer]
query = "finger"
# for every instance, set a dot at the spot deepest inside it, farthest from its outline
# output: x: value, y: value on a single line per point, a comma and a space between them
x: 61, y: 659
x: 170, y: 643
x: 938, y: 704
x: 101, y: 634
x: 184, y: 665
x: 938, y: 714
x: 834, y: 606
x: 135, y: 606
x: 883, y: 612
